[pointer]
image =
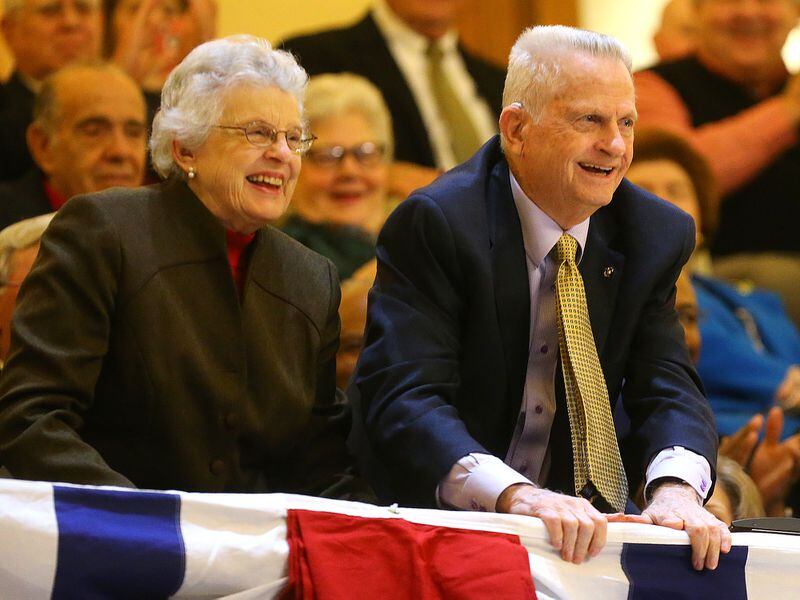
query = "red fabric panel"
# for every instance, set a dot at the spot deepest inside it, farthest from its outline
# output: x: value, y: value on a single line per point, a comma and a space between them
x: 333, y: 556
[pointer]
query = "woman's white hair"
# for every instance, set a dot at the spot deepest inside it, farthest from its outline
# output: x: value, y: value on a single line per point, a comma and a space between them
x: 535, y: 63
x: 336, y: 94
x: 192, y: 99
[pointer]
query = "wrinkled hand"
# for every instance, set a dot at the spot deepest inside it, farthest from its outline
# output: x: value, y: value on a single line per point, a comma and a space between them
x: 405, y: 177
x: 788, y: 393
x: 740, y: 445
x: 677, y: 506
x: 574, y: 526
x: 775, y: 464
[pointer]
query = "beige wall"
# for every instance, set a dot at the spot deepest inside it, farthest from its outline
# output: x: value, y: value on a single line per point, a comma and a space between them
x: 277, y: 20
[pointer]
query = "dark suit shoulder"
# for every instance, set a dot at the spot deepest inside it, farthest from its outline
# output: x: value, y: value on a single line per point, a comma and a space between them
x: 23, y: 198
x: 648, y: 225
x: 333, y: 50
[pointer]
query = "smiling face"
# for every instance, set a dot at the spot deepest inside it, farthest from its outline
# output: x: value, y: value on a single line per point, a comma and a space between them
x: 243, y: 185
x: 350, y: 192
x: 745, y: 37
x: 571, y: 161
x: 45, y: 35
x: 100, y: 133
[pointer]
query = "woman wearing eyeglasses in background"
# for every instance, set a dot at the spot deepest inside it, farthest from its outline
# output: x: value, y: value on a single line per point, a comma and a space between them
x: 167, y: 337
x: 341, y: 203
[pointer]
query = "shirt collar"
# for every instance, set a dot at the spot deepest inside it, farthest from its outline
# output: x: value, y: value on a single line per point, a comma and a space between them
x: 397, y: 32
x: 539, y: 232
x: 55, y: 198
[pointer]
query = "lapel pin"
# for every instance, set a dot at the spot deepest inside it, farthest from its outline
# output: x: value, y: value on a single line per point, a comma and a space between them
x: 608, y: 272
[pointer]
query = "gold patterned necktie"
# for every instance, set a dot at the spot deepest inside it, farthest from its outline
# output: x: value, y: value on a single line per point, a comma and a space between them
x: 464, y: 137
x: 594, y: 441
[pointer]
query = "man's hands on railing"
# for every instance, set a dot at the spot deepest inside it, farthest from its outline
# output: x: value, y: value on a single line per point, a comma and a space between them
x: 578, y: 530
x: 574, y: 526
x: 676, y: 505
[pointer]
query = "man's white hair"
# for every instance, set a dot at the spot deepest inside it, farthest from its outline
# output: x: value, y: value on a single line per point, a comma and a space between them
x: 19, y: 236
x: 192, y: 99
x: 535, y: 63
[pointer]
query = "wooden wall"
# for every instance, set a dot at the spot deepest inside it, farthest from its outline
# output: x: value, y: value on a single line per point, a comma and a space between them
x: 490, y: 28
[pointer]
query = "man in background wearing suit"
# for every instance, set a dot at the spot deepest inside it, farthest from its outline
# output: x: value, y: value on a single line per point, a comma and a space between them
x: 43, y: 36
x: 478, y: 305
x: 444, y: 101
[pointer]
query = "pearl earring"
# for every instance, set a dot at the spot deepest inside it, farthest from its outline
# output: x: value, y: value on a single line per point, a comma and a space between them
x: 191, y: 174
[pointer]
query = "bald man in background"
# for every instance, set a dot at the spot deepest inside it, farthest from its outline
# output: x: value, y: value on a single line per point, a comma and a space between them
x: 88, y: 134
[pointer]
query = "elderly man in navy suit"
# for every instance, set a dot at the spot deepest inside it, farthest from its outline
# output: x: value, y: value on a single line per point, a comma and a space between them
x: 476, y: 386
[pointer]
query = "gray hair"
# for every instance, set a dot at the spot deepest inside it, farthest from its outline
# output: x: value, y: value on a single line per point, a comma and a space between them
x: 742, y: 492
x: 45, y: 105
x: 192, y: 99
x: 535, y: 62
x: 333, y: 95
x: 19, y: 236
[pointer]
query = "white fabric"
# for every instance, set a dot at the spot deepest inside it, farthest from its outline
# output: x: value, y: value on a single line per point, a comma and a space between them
x: 237, y: 549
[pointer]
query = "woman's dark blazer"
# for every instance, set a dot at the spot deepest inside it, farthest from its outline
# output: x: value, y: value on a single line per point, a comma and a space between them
x: 133, y: 361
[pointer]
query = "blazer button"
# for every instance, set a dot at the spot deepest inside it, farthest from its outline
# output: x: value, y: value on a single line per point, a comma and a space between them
x: 232, y: 420
x: 217, y: 467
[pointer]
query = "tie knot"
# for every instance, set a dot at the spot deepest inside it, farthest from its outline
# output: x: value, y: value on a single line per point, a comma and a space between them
x: 566, y: 247
x: 435, y: 53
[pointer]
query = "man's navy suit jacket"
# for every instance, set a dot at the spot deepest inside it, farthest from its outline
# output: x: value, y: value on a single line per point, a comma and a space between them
x: 362, y: 49
x: 446, y: 350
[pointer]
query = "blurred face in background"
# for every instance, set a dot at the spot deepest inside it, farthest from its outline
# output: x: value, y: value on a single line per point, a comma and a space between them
x: 431, y: 18
x: 45, y: 35
x: 677, y: 35
x: 744, y: 38
x: 99, y: 136
x: 688, y: 314
x: 21, y: 263
x: 668, y: 180
x: 345, y: 174
x: 161, y: 18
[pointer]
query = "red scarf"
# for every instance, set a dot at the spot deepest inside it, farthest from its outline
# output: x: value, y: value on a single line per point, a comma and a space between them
x: 237, y: 257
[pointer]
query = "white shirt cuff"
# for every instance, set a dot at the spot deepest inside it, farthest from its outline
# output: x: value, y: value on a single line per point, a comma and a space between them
x: 682, y: 464
x: 475, y: 482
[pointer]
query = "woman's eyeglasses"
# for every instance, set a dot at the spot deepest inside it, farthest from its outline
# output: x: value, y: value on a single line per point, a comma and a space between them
x: 263, y: 135
x: 367, y: 154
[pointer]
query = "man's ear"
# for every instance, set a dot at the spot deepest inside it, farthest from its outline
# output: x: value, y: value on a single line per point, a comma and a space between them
x: 514, y: 122
x: 182, y: 156
x: 40, y: 144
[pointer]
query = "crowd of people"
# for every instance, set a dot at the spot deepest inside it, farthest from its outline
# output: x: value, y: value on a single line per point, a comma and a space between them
x: 366, y: 264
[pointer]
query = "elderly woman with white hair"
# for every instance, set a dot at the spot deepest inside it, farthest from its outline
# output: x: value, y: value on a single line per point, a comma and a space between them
x: 341, y: 199
x: 167, y: 336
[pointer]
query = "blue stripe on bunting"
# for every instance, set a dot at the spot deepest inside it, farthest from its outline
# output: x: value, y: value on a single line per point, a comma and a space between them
x: 659, y: 571
x: 117, y: 544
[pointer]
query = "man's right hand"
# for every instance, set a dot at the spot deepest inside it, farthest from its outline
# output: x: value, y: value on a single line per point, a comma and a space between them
x: 575, y: 527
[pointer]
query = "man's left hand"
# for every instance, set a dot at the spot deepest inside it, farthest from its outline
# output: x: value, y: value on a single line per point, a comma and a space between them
x: 677, y: 505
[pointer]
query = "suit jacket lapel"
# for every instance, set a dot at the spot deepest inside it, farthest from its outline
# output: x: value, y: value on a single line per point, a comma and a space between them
x: 601, y: 269
x: 510, y: 271
x: 372, y: 50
